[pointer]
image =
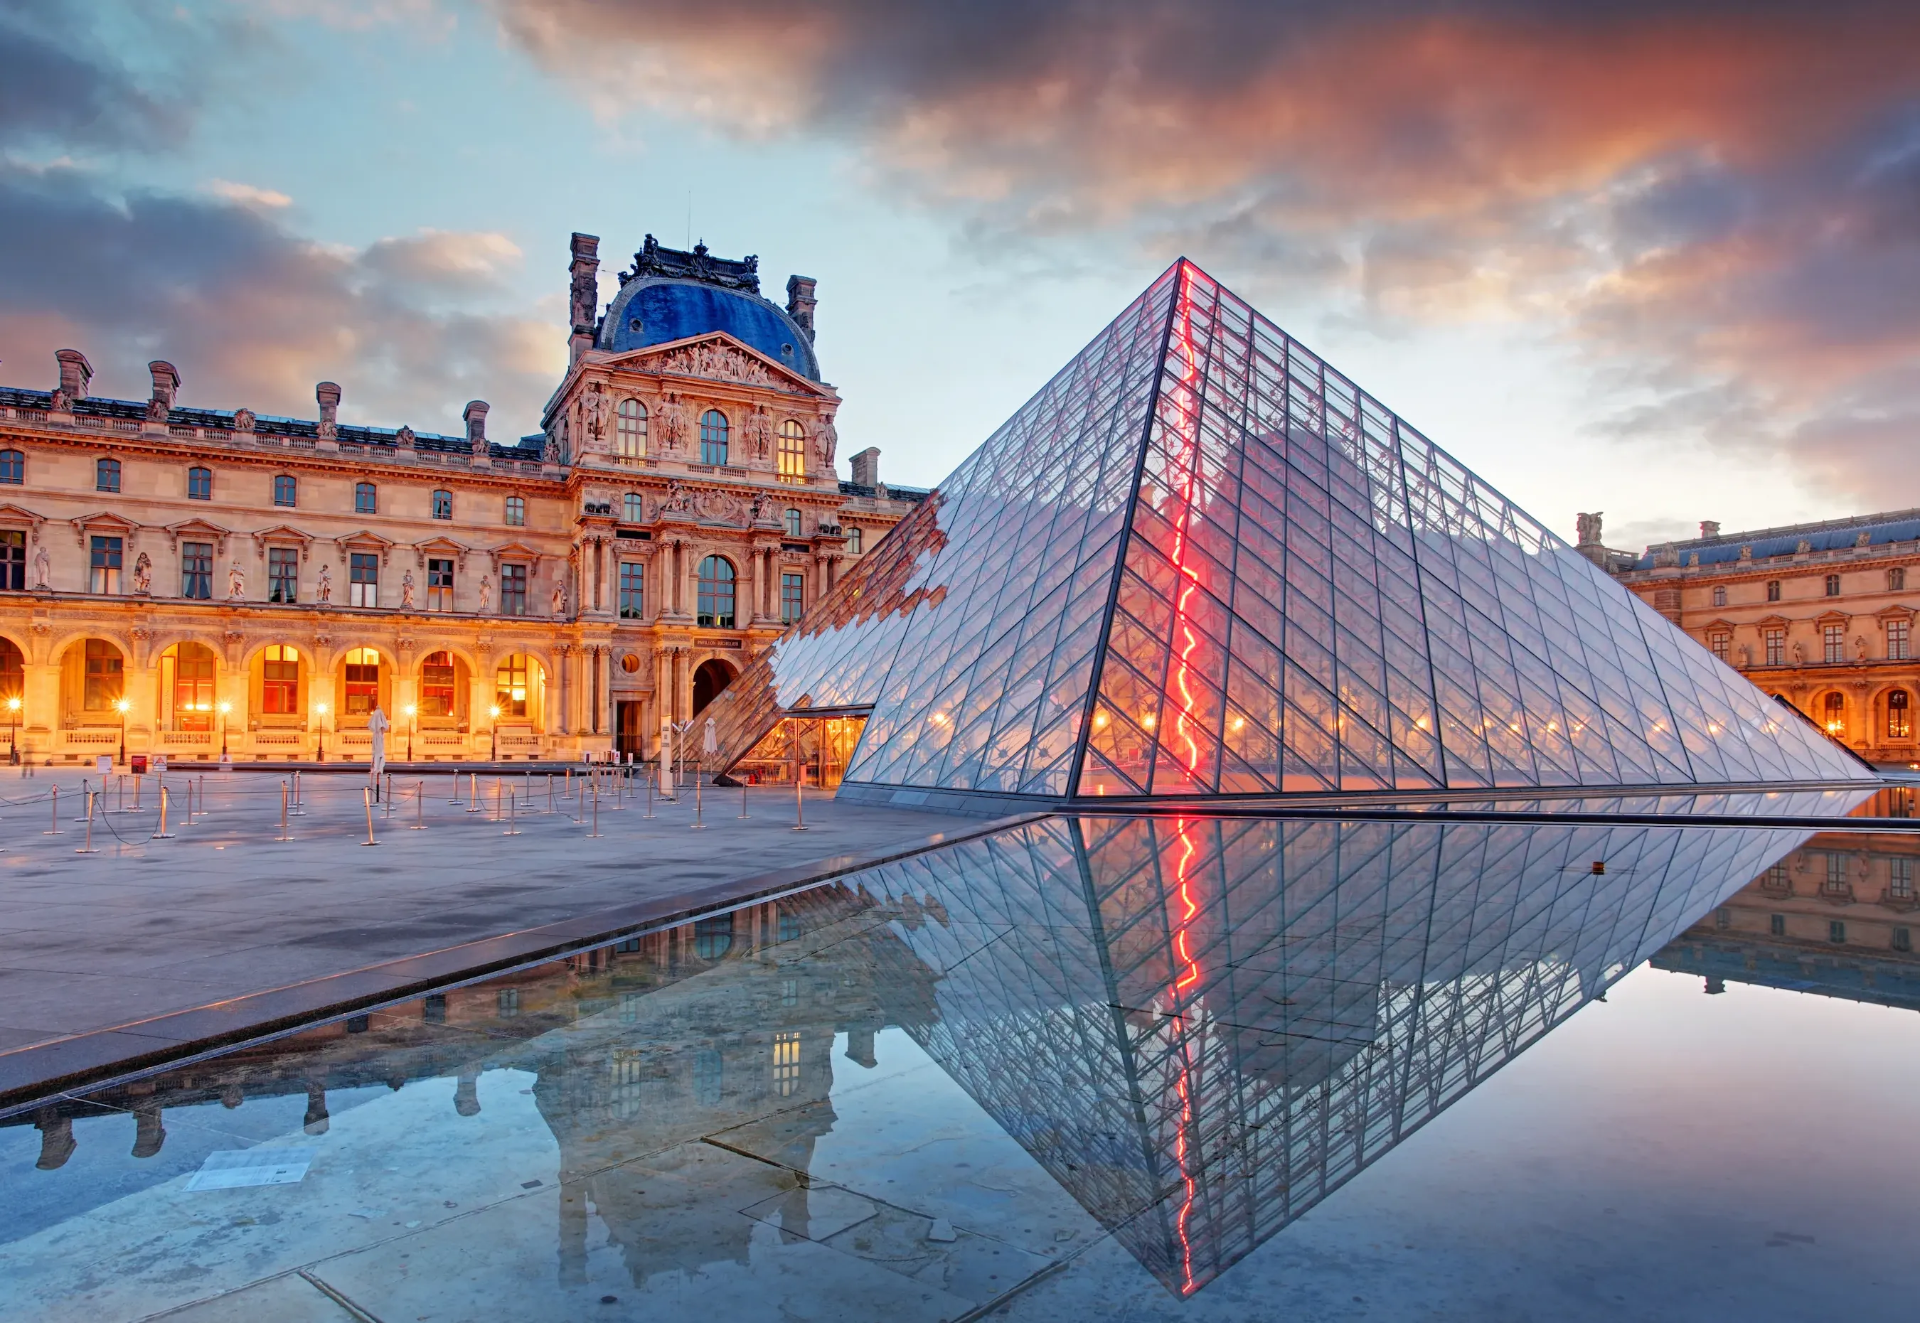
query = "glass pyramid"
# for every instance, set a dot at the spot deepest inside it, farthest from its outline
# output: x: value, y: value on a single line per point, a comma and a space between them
x: 1201, y: 562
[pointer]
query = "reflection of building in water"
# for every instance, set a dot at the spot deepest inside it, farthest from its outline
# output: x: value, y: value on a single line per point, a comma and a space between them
x: 1201, y: 1028
x: 1836, y: 917
x: 638, y: 1047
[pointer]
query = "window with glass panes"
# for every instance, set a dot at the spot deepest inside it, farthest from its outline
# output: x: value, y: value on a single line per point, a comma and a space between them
x: 633, y: 590
x: 510, y: 687
x: 13, y: 467
x: 106, y: 475
x: 363, y: 681
x: 280, y: 681
x: 1719, y: 596
x: 193, y: 687
x: 284, y: 489
x: 1773, y: 590
x: 716, y: 593
x: 1899, y: 639
x: 1833, y: 585
x: 196, y: 570
x: 1836, y: 714
x: 13, y: 559
x: 443, y: 505
x: 1897, y: 579
x: 513, y: 590
x: 516, y: 511
x: 103, y: 569
x: 1720, y: 642
x: 1833, y: 642
x: 105, y: 676
x: 713, y: 437
x: 1900, y: 877
x: 1774, y: 641
x: 440, y: 584
x: 786, y: 1062
x: 793, y: 597
x: 1899, y: 715
x: 283, y: 574
x: 363, y: 578
x: 854, y: 539
x: 630, y: 430
x: 635, y: 509
x: 366, y: 500
x: 793, y: 452
x: 436, y: 685
x: 793, y: 523
x: 199, y: 484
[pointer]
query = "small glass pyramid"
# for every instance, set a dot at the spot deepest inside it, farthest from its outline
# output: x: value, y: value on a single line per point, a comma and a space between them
x: 1201, y: 562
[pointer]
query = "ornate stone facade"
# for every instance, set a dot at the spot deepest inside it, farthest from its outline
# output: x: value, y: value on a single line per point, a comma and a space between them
x: 210, y: 580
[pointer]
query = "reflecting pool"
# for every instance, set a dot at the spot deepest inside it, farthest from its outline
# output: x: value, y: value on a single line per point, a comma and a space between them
x: 1086, y: 1067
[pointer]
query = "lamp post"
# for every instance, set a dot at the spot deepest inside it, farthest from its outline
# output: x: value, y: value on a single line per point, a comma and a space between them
x: 13, y: 743
x: 321, y: 708
x: 493, y: 734
x: 412, y: 713
x: 224, y: 709
x: 121, y: 705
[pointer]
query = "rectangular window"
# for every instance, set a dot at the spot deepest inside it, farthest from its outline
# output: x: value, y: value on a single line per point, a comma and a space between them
x: 1719, y: 596
x: 196, y: 570
x: 1833, y: 642
x: 1836, y: 931
x: 13, y: 559
x: 1902, y: 939
x: 516, y: 511
x: 104, y: 566
x: 443, y: 505
x: 1776, y: 645
x: 1899, y: 639
x: 105, y: 676
x: 363, y: 578
x: 1720, y: 642
x: 436, y: 685
x: 280, y: 681
x: 106, y: 475
x: 853, y: 541
x: 1773, y: 590
x: 1833, y: 585
x: 786, y: 1063
x: 1897, y: 579
x: 365, y: 499
x: 283, y: 574
x: 513, y: 590
x: 1900, y: 879
x: 440, y: 585
x: 1836, y: 883
x: 633, y: 590
x: 284, y: 489
x: 363, y: 681
x: 199, y: 484
x: 1777, y: 924
x: 507, y: 1002
x: 1723, y: 917
x: 1777, y: 879
x: 793, y: 594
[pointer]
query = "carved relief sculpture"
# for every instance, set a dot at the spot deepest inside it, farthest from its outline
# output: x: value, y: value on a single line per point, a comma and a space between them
x: 143, y: 575
x: 679, y: 500
x: 673, y: 422
x: 486, y: 593
x: 763, y: 509
x: 236, y: 583
x: 325, y: 587
x: 244, y: 420
x: 40, y: 565
x: 406, y: 589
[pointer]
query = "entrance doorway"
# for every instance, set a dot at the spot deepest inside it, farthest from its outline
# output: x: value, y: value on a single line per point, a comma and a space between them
x: 626, y: 730
x: 708, y: 681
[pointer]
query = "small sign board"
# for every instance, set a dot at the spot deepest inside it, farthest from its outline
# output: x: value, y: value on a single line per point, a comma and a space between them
x: 103, y: 764
x: 137, y: 763
x: 159, y: 763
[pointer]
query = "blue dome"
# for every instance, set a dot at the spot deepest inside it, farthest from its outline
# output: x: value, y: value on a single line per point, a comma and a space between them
x: 654, y: 310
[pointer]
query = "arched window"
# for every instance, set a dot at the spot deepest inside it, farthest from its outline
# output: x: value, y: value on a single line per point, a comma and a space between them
x: 793, y: 523
x: 443, y: 504
x: 853, y: 539
x: 363, y: 682
x: 636, y: 509
x: 437, y: 685
x: 713, y: 437
x: 13, y: 675
x: 106, y: 475
x: 280, y: 681
x: 793, y: 452
x: 13, y: 467
x: 630, y: 430
x: 1899, y: 716
x: 190, y: 686
x: 199, y: 484
x: 1835, y: 718
x: 284, y: 489
x: 105, y: 676
x: 716, y: 593
x: 366, y: 499
x: 510, y: 687
x: 713, y: 938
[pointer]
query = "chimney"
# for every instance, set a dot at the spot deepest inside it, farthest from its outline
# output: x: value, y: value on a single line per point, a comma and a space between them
x: 866, y: 467
x: 75, y: 373
x: 329, y: 396
x: 1709, y: 528
x: 476, y: 415
x: 801, y: 302
x: 585, y: 294
x: 166, y: 384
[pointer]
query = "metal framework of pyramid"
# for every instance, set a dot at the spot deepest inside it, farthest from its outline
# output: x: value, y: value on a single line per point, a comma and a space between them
x: 1200, y: 562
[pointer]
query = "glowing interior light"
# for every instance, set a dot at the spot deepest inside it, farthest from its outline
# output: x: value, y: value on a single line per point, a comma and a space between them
x: 1147, y: 721
x: 1099, y: 721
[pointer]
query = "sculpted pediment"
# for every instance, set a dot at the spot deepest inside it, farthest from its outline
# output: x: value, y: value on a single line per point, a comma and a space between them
x: 717, y: 356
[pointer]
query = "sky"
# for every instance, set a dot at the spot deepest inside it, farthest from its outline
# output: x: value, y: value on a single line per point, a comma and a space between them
x: 1660, y: 260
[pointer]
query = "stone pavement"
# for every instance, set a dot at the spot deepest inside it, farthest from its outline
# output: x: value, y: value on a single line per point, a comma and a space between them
x: 144, y: 927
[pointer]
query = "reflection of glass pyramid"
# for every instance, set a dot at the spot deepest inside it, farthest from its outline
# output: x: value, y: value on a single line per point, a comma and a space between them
x: 1201, y: 562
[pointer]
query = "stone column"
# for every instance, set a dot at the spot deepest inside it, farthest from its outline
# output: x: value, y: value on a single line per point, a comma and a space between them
x: 662, y: 687
x: 607, y: 708
x: 759, y: 596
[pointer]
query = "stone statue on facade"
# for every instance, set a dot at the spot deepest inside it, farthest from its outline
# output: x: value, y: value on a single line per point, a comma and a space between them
x: 486, y: 593
x: 1746, y: 654
x: 40, y: 566
x: 1799, y: 653
x: 826, y: 437
x: 406, y: 589
x: 1859, y: 647
x: 679, y: 500
x: 551, y: 453
x: 559, y: 600
x: 244, y: 420
x: 143, y: 575
x: 763, y: 510
x: 594, y: 408
x: 1588, y: 529
x: 406, y: 438
x: 760, y: 433
x: 324, y: 589
x: 673, y: 422
x: 157, y: 411
x: 236, y: 583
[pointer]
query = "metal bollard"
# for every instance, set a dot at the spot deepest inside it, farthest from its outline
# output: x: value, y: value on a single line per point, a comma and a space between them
x: 367, y: 795
x: 473, y: 793
x: 283, y: 812
x: 53, y: 828
x: 549, y: 792
x: 743, y: 800
x: 163, y: 834
x: 203, y: 794
x: 299, y: 810
x: 512, y: 828
x: 456, y: 789
x: 419, y: 807
x: 387, y: 803
x: 86, y: 788
x: 649, y: 796
x: 138, y: 783
x: 567, y: 791
x: 88, y: 847
x: 799, y: 809
x: 596, y: 809
x: 698, y: 825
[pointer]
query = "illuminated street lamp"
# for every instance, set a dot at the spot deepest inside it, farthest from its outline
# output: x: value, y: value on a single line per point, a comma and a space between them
x: 224, y: 709
x: 13, y: 743
x: 121, y: 706
x: 493, y: 735
x: 412, y: 712
x: 321, y: 708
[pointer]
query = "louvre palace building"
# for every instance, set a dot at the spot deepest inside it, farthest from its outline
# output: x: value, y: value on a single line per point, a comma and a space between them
x: 202, y: 582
